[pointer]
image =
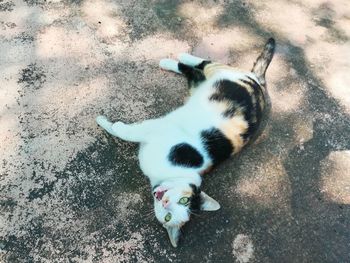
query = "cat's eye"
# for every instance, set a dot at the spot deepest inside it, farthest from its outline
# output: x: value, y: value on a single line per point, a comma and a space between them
x: 167, y: 217
x: 184, y: 200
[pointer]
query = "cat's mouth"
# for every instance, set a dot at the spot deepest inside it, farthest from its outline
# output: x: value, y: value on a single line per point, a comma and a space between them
x: 159, y: 194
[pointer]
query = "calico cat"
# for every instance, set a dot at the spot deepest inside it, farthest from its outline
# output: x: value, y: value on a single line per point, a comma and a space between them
x: 221, y: 116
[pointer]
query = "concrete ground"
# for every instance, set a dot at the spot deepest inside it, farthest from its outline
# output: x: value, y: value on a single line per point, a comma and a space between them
x: 71, y: 193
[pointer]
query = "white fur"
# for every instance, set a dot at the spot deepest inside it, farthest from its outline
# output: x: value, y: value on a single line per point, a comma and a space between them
x: 169, y: 64
x: 158, y: 136
x: 105, y: 124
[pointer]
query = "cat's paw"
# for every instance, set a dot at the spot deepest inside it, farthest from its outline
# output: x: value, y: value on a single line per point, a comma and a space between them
x: 104, y: 123
x: 169, y: 64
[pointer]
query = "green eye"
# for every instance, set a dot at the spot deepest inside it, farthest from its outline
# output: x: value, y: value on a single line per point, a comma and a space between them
x: 167, y: 217
x: 184, y: 200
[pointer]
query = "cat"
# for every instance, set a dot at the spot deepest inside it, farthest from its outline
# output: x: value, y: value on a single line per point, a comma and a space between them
x: 221, y: 116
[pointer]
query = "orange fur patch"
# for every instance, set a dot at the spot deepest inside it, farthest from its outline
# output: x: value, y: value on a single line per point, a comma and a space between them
x: 233, y: 128
x: 186, y: 193
x: 261, y: 102
x: 206, y: 170
x: 212, y: 68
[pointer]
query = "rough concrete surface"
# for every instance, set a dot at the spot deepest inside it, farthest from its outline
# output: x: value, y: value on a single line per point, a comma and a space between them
x: 71, y: 193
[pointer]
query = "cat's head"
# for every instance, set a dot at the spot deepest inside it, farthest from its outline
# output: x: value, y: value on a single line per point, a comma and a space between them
x: 175, y: 202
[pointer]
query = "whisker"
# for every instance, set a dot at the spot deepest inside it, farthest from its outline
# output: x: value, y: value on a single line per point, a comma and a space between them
x: 149, y: 213
x: 148, y: 216
x: 195, y: 214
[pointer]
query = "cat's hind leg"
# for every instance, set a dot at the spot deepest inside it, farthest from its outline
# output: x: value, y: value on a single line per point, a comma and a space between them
x: 184, y: 58
x: 169, y: 64
x: 194, y: 75
x: 190, y: 60
x: 193, y: 61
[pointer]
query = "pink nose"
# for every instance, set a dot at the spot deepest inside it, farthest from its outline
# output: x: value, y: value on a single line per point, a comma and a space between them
x: 165, y: 203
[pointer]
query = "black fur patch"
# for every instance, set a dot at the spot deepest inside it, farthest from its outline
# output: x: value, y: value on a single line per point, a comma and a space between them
x: 253, y: 126
x: 184, y: 154
x: 195, y: 199
x: 240, y: 98
x: 237, y: 94
x: 217, y: 145
x: 194, y: 76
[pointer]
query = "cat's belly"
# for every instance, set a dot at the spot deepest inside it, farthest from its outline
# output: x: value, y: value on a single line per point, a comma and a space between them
x: 168, y: 157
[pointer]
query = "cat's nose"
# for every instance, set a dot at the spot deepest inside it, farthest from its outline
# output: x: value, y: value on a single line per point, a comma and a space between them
x: 165, y: 203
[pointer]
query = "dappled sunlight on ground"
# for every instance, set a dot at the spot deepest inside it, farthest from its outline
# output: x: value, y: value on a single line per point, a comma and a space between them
x: 267, y: 185
x: 205, y: 19
x: 335, y: 177
x: 230, y: 45
x: 287, y: 100
x: 158, y: 46
x: 332, y: 62
x: 286, y: 91
x: 288, y: 19
x: 56, y: 42
x: 9, y: 141
x: 88, y: 90
x: 70, y: 192
x: 303, y: 129
x: 104, y: 18
x: 9, y: 93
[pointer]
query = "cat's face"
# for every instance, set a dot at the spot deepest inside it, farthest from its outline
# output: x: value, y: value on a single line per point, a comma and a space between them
x: 174, y: 203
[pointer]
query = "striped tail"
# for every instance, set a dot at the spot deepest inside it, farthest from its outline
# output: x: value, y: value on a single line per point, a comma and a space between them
x: 264, y: 60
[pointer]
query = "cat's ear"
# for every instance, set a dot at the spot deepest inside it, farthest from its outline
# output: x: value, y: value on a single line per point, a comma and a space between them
x: 174, y: 234
x: 208, y: 203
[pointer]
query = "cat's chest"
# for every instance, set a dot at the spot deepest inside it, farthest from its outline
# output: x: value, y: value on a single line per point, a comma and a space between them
x: 171, y: 154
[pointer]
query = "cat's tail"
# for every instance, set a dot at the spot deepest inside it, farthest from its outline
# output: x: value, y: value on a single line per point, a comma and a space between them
x: 264, y: 60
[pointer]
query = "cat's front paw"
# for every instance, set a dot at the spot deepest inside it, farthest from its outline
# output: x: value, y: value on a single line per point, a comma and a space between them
x: 104, y: 123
